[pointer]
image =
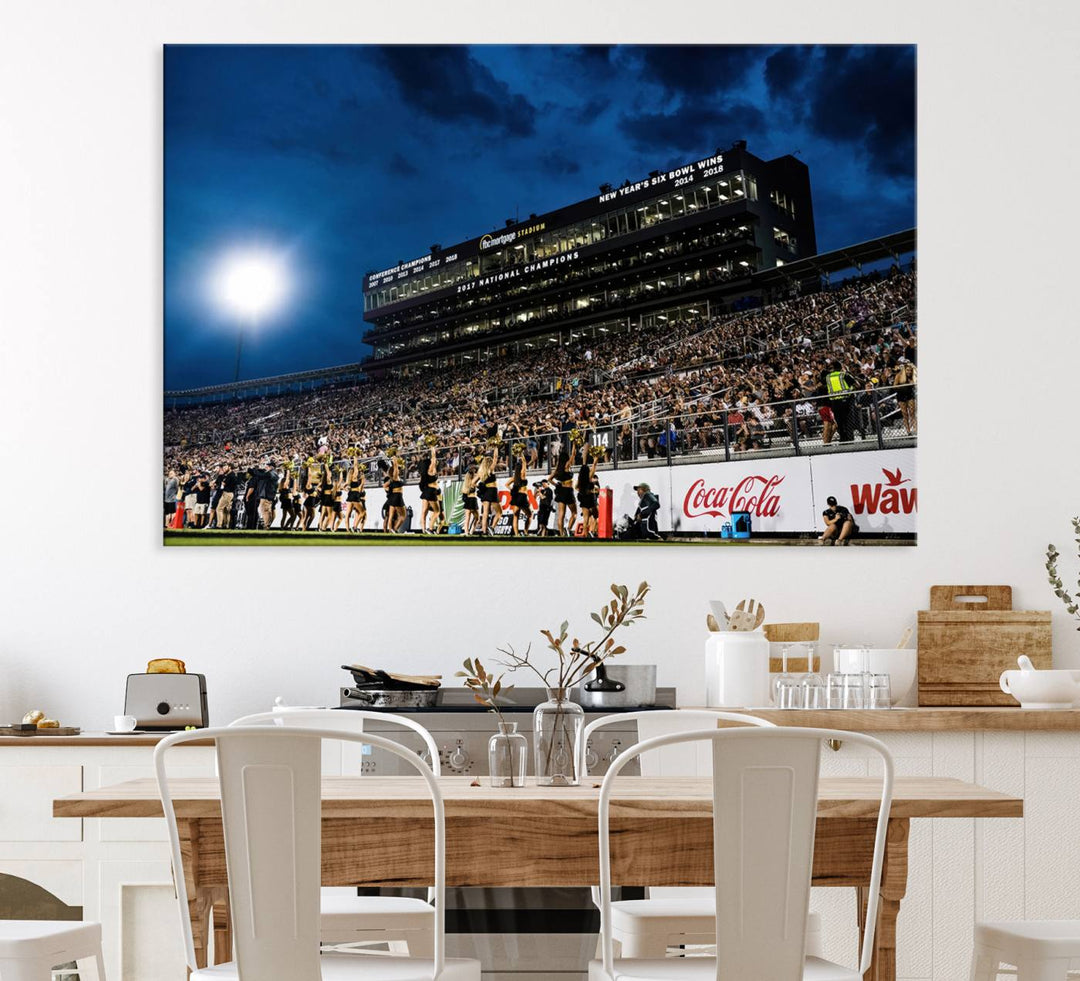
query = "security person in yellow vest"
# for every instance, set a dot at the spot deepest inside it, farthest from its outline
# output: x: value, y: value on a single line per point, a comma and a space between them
x: 840, y: 390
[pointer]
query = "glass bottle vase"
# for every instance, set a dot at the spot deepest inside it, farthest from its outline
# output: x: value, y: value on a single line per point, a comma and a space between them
x: 557, y: 725
x: 508, y: 756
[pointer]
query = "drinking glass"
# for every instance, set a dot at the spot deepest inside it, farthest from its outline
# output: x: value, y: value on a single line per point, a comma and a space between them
x: 834, y: 690
x: 813, y: 691
x: 879, y: 693
x: 785, y: 676
x: 788, y: 692
x: 853, y: 691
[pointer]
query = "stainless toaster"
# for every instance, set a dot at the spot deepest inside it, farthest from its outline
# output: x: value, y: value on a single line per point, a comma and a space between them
x: 167, y: 701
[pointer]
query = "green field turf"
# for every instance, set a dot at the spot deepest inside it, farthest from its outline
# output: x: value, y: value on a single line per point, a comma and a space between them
x: 215, y: 537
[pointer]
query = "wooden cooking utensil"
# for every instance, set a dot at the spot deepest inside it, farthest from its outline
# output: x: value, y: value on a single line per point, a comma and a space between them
x: 748, y: 615
x: 710, y: 621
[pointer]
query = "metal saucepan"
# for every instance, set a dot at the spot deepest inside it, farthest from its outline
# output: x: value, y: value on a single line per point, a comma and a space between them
x: 388, y: 698
x: 619, y: 686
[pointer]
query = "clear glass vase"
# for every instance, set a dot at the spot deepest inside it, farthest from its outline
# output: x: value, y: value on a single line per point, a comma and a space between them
x: 508, y: 756
x: 557, y: 725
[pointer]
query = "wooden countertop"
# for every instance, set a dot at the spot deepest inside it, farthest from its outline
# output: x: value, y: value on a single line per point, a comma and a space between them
x: 92, y: 739
x: 997, y: 719
x: 657, y: 797
x: 922, y: 719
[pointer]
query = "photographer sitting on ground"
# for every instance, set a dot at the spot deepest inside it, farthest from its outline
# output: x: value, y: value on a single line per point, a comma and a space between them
x: 839, y: 524
x: 645, y: 515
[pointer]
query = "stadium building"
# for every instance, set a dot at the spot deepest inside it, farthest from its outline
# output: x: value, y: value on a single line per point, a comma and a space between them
x: 674, y: 245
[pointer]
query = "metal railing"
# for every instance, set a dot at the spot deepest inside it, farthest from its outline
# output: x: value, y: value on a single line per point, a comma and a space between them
x: 858, y: 420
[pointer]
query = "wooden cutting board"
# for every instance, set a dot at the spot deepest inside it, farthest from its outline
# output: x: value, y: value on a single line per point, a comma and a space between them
x: 968, y: 637
x: 60, y: 731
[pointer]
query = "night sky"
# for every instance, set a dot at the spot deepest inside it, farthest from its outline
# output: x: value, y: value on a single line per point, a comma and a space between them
x: 347, y: 159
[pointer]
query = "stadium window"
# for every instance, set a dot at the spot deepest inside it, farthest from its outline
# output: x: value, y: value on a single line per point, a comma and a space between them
x: 678, y: 205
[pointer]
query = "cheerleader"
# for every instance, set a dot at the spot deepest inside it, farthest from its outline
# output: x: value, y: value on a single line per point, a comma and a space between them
x: 395, y: 499
x: 586, y: 492
x: 429, y: 495
x: 489, y: 491
x: 339, y: 489
x: 468, y: 499
x: 311, y: 493
x: 519, y: 496
x: 562, y: 479
x: 285, y: 499
x: 326, y: 499
x: 356, y: 500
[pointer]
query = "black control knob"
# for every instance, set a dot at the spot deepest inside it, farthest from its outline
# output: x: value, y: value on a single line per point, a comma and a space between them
x: 162, y: 708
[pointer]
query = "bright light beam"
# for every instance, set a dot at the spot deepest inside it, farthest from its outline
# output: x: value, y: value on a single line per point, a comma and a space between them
x: 252, y: 284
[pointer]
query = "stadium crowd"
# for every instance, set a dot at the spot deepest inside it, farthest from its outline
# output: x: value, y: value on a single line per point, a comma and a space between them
x: 695, y: 385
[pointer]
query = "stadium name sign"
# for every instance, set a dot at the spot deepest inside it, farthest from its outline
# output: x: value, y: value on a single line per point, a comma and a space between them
x: 688, y: 174
x: 492, y: 241
x: 529, y: 267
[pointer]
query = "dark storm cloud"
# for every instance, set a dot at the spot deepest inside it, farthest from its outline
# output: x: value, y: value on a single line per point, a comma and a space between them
x: 351, y: 157
x: 560, y: 163
x: 697, y: 69
x: 860, y: 96
x: 447, y: 83
x: 401, y: 166
x: 692, y: 129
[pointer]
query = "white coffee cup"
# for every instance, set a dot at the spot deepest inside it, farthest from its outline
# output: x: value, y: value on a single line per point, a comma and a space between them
x: 124, y: 723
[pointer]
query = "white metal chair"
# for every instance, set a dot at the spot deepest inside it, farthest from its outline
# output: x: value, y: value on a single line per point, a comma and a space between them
x: 677, y: 916
x: 30, y: 949
x: 346, y: 917
x: 271, y: 810
x: 1041, y: 950
x: 765, y: 790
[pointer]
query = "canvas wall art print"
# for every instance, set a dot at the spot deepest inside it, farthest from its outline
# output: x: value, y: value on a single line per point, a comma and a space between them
x: 540, y: 295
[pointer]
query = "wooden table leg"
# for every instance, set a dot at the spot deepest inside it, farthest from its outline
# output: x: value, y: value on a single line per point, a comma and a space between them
x: 222, y: 921
x: 200, y: 898
x: 893, y: 889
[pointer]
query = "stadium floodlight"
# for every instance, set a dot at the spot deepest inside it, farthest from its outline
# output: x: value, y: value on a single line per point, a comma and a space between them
x: 250, y: 285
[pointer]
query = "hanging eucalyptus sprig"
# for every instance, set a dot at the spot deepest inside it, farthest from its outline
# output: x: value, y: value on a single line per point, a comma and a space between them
x: 1070, y: 600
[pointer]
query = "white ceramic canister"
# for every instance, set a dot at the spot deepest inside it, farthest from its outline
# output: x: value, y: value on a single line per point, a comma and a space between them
x: 737, y: 669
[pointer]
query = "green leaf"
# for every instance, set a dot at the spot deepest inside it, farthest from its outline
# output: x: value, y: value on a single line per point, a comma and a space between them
x: 596, y: 617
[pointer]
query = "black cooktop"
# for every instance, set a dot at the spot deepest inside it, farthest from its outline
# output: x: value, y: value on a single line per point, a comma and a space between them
x: 519, y: 700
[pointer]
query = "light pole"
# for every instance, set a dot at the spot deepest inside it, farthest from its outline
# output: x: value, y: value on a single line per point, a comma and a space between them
x: 251, y: 284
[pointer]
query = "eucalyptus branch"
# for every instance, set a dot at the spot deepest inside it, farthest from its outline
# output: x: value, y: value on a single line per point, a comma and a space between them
x: 576, y: 660
x: 516, y: 661
x: 1071, y: 602
x: 485, y: 687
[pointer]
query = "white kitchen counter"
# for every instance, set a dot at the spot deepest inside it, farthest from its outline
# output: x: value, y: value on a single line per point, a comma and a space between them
x: 961, y: 870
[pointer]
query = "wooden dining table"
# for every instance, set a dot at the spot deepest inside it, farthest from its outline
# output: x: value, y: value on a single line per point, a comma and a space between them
x: 377, y: 832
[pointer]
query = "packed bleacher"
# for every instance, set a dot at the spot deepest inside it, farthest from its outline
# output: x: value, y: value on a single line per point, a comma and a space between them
x: 697, y: 381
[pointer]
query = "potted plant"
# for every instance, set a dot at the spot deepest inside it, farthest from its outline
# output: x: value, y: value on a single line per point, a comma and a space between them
x: 508, y: 750
x: 557, y: 723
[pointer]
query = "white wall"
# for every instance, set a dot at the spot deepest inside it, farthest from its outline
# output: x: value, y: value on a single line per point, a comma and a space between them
x: 88, y: 593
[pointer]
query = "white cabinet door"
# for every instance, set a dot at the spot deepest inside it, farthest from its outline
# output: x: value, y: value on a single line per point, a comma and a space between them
x: 26, y: 803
